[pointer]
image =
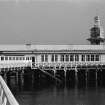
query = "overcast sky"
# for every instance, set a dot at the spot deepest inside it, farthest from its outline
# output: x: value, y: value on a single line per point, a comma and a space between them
x: 48, y: 21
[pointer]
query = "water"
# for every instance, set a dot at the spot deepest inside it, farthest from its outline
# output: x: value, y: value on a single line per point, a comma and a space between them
x: 28, y: 93
x: 53, y: 96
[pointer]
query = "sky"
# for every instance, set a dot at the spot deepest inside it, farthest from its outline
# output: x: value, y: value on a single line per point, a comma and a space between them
x: 48, y: 21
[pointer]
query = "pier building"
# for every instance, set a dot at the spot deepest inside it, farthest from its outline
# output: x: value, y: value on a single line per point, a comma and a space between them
x: 56, y: 56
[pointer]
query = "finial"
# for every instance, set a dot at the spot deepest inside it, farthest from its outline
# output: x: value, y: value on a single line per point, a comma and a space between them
x: 97, y: 21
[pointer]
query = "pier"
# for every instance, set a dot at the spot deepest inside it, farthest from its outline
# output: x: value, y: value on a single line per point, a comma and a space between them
x: 62, y: 65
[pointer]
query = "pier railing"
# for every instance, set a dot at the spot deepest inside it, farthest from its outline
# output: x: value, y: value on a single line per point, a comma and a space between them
x: 67, y: 64
x: 6, y: 97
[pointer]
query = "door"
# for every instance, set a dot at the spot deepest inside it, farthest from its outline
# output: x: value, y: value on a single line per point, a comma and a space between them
x: 33, y: 62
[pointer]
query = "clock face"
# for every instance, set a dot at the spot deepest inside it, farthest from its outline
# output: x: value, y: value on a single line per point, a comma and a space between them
x: 95, y: 32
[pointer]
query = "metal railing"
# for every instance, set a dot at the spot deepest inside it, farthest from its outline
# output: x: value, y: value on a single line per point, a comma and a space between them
x: 6, y: 96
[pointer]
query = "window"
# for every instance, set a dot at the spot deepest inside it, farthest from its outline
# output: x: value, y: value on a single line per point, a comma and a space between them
x: 13, y: 58
x: 67, y: 58
x: 17, y: 58
x: 2, y: 58
x: 20, y: 58
x: 52, y: 58
x: 92, y: 57
x: 83, y: 58
x: 23, y: 58
x: 46, y: 58
x: 87, y: 57
x: 6, y: 58
x: 10, y: 58
x: 42, y: 58
x: 28, y: 58
x: 56, y: 58
x: 71, y: 57
x: 76, y: 57
x: 97, y: 58
x: 62, y: 58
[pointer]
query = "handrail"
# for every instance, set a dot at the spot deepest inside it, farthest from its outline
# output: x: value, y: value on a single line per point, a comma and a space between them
x: 50, y: 75
x: 5, y: 93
